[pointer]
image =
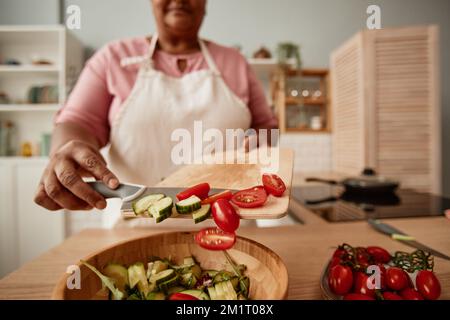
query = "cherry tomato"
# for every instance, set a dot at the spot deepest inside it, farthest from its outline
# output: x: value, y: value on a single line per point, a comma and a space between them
x: 357, y: 296
x: 215, y: 239
x: 391, y: 296
x: 360, y: 285
x: 339, y: 253
x: 334, y: 262
x: 428, y: 285
x: 410, y: 294
x: 378, y: 254
x: 250, y: 198
x: 225, y: 216
x: 182, y: 296
x: 273, y: 184
x: 362, y: 257
x: 340, y: 279
x: 200, y: 190
x: 221, y: 195
x: 396, y: 279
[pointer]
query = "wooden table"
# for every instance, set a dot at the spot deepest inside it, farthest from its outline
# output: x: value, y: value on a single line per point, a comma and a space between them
x: 304, y: 248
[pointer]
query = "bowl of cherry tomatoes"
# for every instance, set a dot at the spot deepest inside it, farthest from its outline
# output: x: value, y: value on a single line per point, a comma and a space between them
x: 372, y: 273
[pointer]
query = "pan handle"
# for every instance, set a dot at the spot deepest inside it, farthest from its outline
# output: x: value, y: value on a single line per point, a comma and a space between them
x: 324, y: 200
x: 329, y: 181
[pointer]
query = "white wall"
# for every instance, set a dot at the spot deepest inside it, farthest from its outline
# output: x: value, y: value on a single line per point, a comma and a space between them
x: 318, y: 25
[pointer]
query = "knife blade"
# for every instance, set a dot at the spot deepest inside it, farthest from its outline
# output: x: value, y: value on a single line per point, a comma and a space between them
x: 130, y: 192
x: 402, y: 237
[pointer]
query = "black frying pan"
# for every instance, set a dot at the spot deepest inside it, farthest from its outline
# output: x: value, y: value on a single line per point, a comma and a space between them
x: 368, y: 182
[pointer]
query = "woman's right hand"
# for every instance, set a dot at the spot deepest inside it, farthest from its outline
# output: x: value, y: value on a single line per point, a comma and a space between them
x: 62, y: 186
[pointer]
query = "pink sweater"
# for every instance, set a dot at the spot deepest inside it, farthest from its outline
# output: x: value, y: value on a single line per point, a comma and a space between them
x: 104, y: 84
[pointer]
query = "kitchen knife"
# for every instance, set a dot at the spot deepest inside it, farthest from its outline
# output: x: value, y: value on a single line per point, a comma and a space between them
x: 403, y: 237
x: 131, y: 192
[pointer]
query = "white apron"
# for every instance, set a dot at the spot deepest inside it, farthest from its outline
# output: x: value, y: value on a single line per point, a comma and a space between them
x: 140, y: 140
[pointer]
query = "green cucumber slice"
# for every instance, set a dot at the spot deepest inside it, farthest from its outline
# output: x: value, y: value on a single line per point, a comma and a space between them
x: 188, y: 205
x: 164, y: 275
x: 142, y: 205
x: 166, y: 285
x: 137, y: 276
x: 202, y: 214
x: 199, y: 294
x: 161, y: 209
x: 119, y: 273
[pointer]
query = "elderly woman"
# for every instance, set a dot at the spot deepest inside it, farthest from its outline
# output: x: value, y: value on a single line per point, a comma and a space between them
x: 130, y: 97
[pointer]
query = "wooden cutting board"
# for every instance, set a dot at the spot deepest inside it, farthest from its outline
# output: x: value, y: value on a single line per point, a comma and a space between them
x: 236, y: 177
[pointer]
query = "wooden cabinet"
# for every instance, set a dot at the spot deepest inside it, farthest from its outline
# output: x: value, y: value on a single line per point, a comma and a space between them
x: 386, y: 106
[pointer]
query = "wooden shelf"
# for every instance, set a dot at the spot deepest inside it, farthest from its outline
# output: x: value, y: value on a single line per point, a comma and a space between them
x: 29, y: 68
x: 291, y: 101
x: 317, y: 72
x: 306, y: 130
x: 28, y: 107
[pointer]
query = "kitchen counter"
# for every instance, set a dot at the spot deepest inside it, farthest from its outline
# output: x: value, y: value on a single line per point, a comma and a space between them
x: 305, y: 250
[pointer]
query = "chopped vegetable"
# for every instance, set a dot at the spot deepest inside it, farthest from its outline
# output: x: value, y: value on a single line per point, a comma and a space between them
x: 250, y: 198
x: 273, y: 184
x: 143, y: 204
x: 200, y: 190
x: 188, y: 205
x: 165, y: 280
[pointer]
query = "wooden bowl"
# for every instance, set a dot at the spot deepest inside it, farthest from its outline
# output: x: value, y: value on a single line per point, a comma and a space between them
x: 267, y: 272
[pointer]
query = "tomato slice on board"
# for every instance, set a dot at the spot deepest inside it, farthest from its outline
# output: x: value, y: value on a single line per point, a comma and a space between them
x: 215, y: 239
x: 182, y: 296
x: 273, y: 184
x: 250, y: 198
x: 221, y: 195
x: 225, y: 215
x: 200, y: 190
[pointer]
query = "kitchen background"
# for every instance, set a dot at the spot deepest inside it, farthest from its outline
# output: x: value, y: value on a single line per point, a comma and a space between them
x: 317, y: 26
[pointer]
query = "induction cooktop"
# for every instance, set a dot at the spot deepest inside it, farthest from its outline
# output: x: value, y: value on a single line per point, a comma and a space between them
x: 333, y: 204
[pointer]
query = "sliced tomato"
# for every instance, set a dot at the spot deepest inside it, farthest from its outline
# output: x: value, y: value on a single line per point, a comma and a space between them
x: 273, y: 184
x: 225, y: 215
x: 200, y: 190
x: 250, y: 198
x: 221, y: 195
x: 182, y: 296
x: 215, y: 239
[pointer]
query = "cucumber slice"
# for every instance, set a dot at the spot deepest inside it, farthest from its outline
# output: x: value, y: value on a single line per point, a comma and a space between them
x: 161, y: 209
x: 137, y: 276
x: 159, y: 266
x: 199, y: 294
x: 188, y: 280
x: 188, y: 205
x: 196, y: 271
x: 119, y: 273
x: 231, y: 293
x: 220, y: 292
x: 189, y: 261
x: 142, y: 205
x: 212, y: 293
x: 164, y: 276
x: 202, y: 214
x: 156, y: 296
x: 166, y: 285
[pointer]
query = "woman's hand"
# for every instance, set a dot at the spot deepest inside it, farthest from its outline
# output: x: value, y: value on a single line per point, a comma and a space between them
x: 62, y: 186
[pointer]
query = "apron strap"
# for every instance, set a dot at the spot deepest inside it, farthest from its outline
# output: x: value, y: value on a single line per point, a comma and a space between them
x: 209, y: 60
x: 151, y: 50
